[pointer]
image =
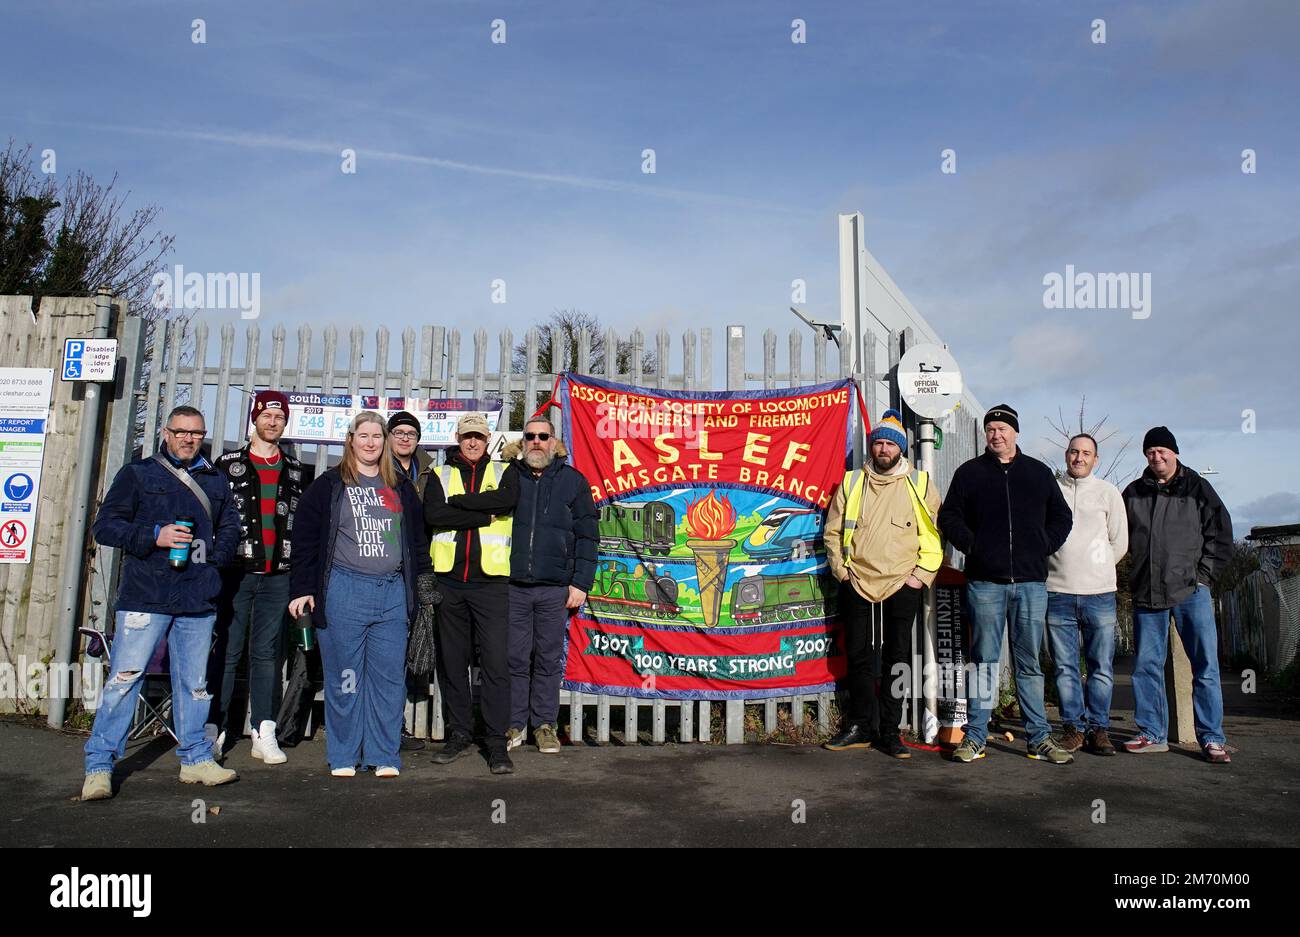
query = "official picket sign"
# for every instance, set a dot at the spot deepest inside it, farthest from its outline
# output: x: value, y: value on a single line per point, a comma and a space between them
x: 24, y: 412
x: 324, y: 418
x: 929, y: 380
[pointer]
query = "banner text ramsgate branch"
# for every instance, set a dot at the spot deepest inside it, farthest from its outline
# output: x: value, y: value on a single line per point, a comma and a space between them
x: 661, y: 441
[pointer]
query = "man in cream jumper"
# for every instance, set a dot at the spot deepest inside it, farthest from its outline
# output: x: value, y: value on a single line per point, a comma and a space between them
x: 1081, y: 596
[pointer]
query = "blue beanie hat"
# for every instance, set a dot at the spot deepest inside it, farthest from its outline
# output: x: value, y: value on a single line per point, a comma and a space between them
x: 890, y: 427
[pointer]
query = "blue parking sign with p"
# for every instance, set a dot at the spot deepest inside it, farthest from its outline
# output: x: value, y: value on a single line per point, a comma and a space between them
x: 73, y: 350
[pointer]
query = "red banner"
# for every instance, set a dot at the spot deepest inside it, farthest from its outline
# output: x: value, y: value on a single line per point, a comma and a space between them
x: 711, y: 577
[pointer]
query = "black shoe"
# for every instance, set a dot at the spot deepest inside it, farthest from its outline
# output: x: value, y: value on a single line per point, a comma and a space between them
x: 457, y: 747
x: 852, y: 736
x: 410, y: 743
x: 499, y: 762
x: 894, y: 747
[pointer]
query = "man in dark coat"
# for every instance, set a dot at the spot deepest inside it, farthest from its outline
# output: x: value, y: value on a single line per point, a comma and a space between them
x: 1005, y: 511
x: 1180, y: 538
x: 172, y: 516
x: 552, y: 568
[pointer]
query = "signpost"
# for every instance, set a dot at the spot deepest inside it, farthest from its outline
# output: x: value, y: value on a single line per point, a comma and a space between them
x: 929, y: 382
x: 94, y: 362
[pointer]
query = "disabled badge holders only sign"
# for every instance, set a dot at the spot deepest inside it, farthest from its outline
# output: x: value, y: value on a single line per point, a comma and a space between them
x: 89, y: 359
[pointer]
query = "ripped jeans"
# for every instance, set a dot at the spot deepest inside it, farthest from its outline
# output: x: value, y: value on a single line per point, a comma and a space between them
x: 136, y: 637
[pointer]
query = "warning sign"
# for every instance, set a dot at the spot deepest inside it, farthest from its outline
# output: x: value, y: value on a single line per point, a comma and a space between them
x: 24, y: 411
x: 13, y: 534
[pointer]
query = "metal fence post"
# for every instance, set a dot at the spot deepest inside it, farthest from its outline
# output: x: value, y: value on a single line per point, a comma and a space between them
x: 735, y: 381
x: 74, y: 559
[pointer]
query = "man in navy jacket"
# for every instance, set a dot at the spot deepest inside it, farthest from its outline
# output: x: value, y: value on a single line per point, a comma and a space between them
x: 155, y: 600
x: 1005, y: 511
x: 552, y: 568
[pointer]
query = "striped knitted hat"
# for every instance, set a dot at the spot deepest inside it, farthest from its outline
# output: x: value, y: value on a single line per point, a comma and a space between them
x: 890, y: 427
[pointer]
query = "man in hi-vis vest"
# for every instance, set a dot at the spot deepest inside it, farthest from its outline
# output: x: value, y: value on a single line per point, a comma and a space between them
x: 467, y: 504
x: 883, y: 547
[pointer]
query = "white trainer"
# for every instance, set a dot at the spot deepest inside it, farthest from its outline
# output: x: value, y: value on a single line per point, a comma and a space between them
x: 343, y: 772
x: 216, y: 739
x: 266, y: 747
x: 386, y: 771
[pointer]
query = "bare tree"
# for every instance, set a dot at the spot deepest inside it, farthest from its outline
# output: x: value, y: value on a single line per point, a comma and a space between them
x: 560, y: 333
x: 69, y: 237
x: 1116, y: 471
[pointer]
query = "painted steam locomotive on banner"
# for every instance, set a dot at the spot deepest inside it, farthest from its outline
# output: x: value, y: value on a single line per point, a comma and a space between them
x: 639, y: 590
x: 762, y: 600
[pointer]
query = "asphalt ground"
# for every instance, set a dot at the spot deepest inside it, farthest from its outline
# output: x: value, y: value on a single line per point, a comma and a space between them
x: 678, y: 795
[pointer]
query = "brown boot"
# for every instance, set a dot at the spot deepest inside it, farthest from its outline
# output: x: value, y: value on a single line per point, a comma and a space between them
x: 1098, y: 742
x: 1071, y: 740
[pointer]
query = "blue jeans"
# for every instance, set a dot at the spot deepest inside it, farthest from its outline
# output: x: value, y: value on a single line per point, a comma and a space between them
x: 1021, y: 606
x: 136, y: 637
x: 1095, y: 615
x: 363, y: 655
x: 1194, y: 619
x: 256, y: 616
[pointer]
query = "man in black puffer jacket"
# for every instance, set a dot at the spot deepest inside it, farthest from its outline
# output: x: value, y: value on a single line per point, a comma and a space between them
x: 1005, y: 511
x: 552, y: 567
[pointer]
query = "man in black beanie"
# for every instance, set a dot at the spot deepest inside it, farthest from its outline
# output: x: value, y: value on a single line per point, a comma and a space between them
x: 1005, y: 511
x: 412, y: 462
x: 1180, y: 538
x: 415, y: 465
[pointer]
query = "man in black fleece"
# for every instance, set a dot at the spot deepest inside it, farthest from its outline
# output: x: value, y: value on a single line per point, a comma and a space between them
x: 1005, y: 511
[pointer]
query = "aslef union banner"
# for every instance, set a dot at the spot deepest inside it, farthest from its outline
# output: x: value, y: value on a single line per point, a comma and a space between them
x: 711, y: 577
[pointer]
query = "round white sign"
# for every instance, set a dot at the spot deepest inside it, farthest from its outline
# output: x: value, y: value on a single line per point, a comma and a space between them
x: 929, y: 380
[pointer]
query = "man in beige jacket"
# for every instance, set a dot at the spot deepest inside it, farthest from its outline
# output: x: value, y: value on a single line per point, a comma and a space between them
x: 883, y: 547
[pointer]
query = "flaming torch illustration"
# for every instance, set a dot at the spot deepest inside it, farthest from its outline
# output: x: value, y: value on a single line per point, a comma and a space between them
x: 709, y: 520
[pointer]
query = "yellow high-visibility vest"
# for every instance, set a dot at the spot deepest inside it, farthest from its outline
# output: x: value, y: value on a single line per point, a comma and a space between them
x: 494, y: 539
x: 930, y: 550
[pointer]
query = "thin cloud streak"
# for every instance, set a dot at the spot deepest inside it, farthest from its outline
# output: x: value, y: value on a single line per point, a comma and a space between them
x: 269, y: 142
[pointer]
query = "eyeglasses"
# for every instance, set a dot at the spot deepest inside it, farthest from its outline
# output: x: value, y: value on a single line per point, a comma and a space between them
x: 406, y: 436
x: 542, y: 436
x: 188, y: 433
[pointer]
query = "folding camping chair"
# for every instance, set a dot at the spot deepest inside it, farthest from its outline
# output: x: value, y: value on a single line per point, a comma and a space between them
x: 153, y: 706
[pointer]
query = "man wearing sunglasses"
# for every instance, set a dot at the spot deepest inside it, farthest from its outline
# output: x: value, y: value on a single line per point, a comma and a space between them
x: 158, y: 598
x: 467, y: 505
x: 552, y: 567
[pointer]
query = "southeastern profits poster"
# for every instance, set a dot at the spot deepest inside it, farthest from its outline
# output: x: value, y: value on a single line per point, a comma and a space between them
x: 711, y: 576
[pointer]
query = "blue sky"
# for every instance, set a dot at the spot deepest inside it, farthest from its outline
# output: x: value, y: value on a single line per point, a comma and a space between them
x: 522, y: 161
